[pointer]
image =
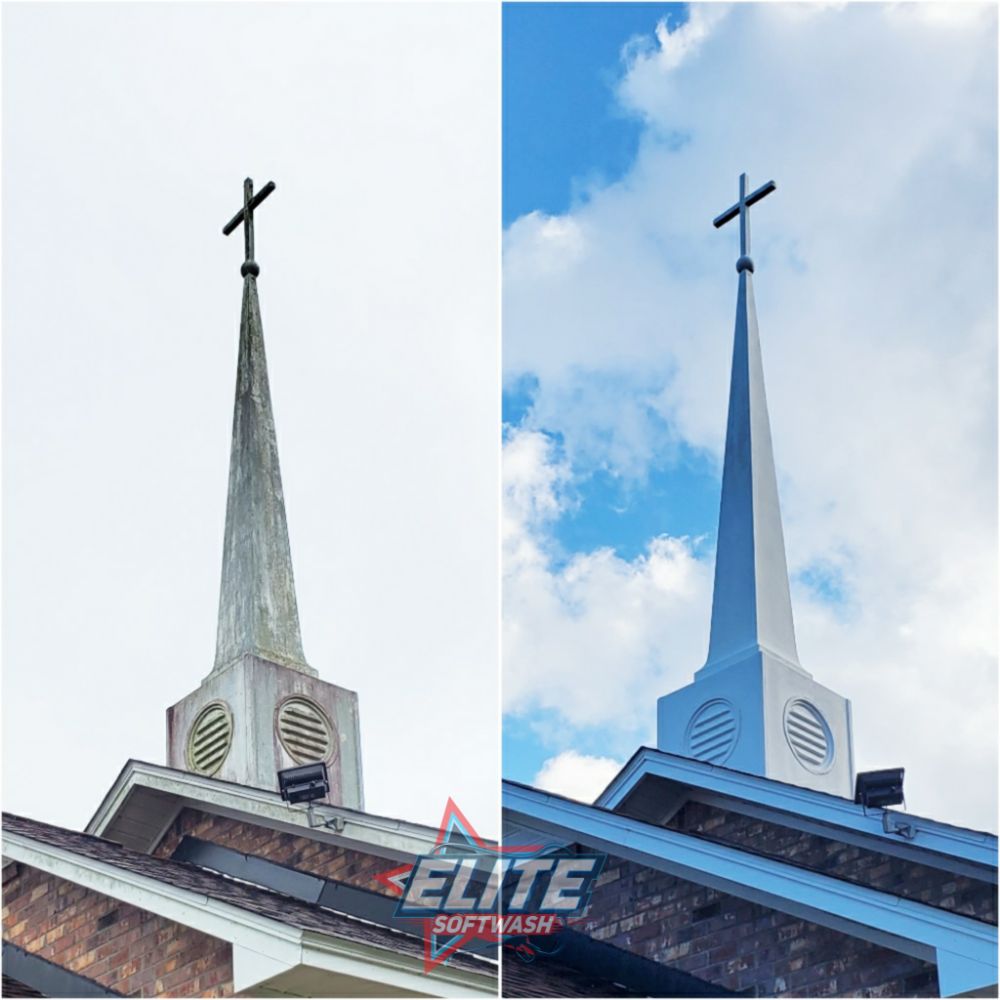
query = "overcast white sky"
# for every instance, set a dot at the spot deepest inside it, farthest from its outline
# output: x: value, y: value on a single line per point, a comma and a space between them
x: 127, y: 132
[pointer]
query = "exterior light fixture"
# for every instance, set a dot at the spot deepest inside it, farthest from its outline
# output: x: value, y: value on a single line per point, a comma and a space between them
x: 304, y: 784
x: 879, y: 788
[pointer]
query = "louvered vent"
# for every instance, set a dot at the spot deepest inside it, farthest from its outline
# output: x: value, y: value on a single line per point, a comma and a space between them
x: 808, y: 735
x: 712, y: 732
x: 210, y: 739
x: 304, y: 731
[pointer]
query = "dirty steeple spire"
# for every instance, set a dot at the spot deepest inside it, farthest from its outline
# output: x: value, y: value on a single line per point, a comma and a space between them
x: 258, y: 612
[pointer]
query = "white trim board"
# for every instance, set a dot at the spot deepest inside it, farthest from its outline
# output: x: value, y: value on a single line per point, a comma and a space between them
x: 397, y: 840
x: 939, y: 845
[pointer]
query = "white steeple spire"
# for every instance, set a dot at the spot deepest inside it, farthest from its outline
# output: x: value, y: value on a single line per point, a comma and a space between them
x: 751, y: 606
x: 752, y: 707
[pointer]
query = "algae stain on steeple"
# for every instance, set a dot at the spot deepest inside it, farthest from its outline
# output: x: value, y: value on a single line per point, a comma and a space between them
x: 262, y: 708
x: 258, y: 612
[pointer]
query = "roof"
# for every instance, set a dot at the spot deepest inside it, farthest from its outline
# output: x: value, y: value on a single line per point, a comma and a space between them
x: 548, y: 977
x: 576, y: 965
x: 656, y: 773
x: 145, y: 798
x: 964, y: 949
x: 263, y: 902
x: 15, y: 988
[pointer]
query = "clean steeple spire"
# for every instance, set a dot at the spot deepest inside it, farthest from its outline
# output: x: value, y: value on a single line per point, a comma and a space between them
x: 751, y: 606
x: 752, y: 707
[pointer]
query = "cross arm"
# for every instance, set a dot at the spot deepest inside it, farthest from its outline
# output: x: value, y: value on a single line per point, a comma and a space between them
x: 729, y: 213
x: 254, y: 202
x: 744, y: 203
x: 763, y: 190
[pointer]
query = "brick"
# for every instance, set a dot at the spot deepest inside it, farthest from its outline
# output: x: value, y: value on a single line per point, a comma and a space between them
x: 742, y: 945
x: 328, y: 860
x: 110, y: 942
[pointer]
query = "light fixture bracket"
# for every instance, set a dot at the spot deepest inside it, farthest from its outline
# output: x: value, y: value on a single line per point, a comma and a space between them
x: 335, y: 823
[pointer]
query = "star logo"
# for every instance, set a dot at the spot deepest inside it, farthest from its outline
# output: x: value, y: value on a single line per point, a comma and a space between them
x: 458, y: 846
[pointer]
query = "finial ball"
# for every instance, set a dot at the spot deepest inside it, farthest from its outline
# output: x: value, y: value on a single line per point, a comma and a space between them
x: 744, y: 264
x: 252, y: 267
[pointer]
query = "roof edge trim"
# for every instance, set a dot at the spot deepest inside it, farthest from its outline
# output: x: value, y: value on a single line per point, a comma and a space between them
x: 392, y: 838
x: 791, y: 801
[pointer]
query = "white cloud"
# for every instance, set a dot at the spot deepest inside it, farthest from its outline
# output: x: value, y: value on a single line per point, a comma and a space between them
x: 683, y: 41
x: 876, y: 290
x: 595, y: 637
x: 577, y: 776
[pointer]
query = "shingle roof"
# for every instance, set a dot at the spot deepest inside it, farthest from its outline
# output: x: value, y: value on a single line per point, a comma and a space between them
x: 551, y: 978
x: 572, y: 964
x: 264, y: 902
x: 15, y: 988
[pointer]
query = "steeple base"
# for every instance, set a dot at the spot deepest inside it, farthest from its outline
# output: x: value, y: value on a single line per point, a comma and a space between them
x: 255, y: 718
x: 765, y: 717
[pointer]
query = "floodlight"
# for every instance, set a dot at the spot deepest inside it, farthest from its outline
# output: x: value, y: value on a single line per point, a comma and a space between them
x: 879, y: 788
x: 304, y: 784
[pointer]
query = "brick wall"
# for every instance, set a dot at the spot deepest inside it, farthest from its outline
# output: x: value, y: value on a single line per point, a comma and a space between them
x: 745, y: 946
x: 327, y: 860
x: 741, y: 945
x: 879, y: 871
x: 119, y: 946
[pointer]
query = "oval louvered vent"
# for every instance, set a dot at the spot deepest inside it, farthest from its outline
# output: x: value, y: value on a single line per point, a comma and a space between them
x: 808, y: 735
x: 304, y: 731
x: 712, y: 731
x: 210, y: 739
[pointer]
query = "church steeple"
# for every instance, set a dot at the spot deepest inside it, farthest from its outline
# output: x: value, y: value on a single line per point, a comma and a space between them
x: 751, y: 606
x: 752, y: 707
x: 261, y: 708
x: 258, y: 613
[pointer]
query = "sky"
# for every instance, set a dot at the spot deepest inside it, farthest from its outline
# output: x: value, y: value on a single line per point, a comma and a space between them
x: 379, y: 260
x: 876, y: 296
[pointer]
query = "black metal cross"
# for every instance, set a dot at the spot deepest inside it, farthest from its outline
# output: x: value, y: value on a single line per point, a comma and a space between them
x: 741, y: 209
x: 245, y: 215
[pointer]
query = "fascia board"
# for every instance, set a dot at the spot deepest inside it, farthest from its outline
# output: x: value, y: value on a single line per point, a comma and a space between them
x: 902, y: 924
x: 112, y: 802
x: 934, y: 838
x: 397, y: 840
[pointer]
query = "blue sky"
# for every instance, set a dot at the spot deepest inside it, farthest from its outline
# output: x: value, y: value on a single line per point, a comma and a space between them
x: 562, y: 129
x: 561, y: 124
x: 621, y: 141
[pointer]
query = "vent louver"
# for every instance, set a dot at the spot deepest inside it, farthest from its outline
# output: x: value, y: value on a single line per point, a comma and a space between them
x: 808, y: 735
x: 712, y: 732
x: 210, y: 739
x: 304, y: 731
